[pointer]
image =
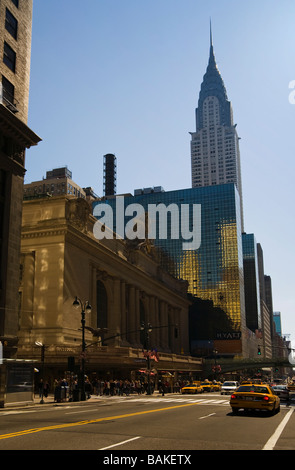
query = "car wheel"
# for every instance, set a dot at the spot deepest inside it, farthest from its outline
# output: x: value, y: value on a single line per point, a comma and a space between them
x: 273, y: 411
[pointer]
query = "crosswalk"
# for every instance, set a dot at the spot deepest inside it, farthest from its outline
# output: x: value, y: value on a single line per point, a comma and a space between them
x: 204, y: 400
x: 171, y: 399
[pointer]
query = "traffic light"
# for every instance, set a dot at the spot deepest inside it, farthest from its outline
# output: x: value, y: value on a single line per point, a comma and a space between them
x: 259, y: 351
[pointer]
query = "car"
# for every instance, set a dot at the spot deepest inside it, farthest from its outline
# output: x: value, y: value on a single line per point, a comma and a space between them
x: 192, y: 388
x: 207, y: 386
x: 255, y: 397
x: 282, y: 391
x: 291, y: 386
x: 228, y: 387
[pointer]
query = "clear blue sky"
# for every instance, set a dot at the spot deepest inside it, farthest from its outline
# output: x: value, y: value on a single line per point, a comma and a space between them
x: 123, y: 77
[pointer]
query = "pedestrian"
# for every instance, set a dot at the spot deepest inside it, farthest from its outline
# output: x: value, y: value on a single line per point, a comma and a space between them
x: 95, y: 385
x: 46, y: 389
x: 161, y: 387
x: 112, y: 387
x: 88, y: 388
x: 41, y: 388
x: 57, y: 391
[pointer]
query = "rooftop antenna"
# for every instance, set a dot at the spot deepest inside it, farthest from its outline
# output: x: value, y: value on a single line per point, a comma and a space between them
x: 211, y: 41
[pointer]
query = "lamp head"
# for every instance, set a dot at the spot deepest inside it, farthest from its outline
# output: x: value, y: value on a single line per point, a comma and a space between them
x: 88, y: 307
x: 76, y: 303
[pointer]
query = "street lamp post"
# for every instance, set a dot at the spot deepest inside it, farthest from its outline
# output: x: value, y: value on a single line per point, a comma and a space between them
x: 147, y: 330
x: 42, y: 346
x: 215, y: 352
x: 85, y: 307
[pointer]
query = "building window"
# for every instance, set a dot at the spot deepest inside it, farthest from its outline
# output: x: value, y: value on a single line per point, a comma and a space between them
x: 7, y: 90
x: 15, y: 2
x: 9, y: 57
x: 11, y: 24
x: 102, y: 306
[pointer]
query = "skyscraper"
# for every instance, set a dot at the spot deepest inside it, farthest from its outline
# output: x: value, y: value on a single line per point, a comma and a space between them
x: 15, y: 138
x: 251, y: 282
x: 213, y: 269
x: 215, y: 154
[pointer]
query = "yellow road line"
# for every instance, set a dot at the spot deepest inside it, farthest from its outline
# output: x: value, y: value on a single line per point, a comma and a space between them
x: 90, y: 421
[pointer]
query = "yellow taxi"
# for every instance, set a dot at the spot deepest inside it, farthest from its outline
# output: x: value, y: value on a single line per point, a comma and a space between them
x: 255, y: 397
x: 207, y: 386
x: 216, y: 386
x: 194, y: 387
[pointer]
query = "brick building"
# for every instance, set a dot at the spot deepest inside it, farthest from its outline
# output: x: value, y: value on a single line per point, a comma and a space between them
x: 15, y: 138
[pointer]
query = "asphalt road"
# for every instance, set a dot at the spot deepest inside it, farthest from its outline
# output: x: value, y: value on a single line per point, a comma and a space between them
x: 174, y: 423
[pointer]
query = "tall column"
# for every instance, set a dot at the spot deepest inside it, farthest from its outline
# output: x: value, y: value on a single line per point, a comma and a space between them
x: 157, y: 331
x: 93, y: 300
x: 137, y: 317
x: 163, y: 324
x: 131, y: 315
x: 152, y: 320
x: 115, y: 324
x: 27, y: 283
x: 124, y: 320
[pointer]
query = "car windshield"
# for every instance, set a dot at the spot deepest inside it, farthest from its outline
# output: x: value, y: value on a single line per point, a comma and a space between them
x: 229, y: 384
x: 253, y: 388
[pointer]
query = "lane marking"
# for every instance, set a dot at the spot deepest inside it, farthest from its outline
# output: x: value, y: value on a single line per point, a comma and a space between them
x: 120, y: 443
x: 91, y: 421
x: 207, y: 416
x: 275, y: 437
x: 82, y: 411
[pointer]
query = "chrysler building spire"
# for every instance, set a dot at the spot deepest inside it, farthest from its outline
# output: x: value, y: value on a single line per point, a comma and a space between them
x: 215, y: 155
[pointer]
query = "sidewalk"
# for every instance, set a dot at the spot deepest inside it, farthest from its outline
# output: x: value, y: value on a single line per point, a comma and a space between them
x: 93, y: 399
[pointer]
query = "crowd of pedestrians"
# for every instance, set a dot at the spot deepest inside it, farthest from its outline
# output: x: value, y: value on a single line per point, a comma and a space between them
x: 63, y: 389
x: 128, y: 387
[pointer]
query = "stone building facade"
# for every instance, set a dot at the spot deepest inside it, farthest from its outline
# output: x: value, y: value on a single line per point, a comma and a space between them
x: 123, y: 282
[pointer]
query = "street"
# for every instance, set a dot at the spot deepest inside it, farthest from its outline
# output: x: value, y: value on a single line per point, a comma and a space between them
x: 172, y: 423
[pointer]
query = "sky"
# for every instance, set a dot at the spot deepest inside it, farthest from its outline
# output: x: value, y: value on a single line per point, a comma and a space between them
x: 123, y: 77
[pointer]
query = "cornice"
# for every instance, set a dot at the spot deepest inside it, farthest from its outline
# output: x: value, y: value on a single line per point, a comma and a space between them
x: 43, y: 233
x: 17, y: 129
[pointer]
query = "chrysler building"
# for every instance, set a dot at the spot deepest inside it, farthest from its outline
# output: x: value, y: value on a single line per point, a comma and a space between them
x: 215, y: 155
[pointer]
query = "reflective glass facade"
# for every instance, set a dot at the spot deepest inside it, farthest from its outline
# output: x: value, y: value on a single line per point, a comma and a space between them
x: 214, y: 270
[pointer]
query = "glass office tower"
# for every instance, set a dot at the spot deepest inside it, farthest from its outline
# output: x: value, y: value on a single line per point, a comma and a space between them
x: 211, y: 261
